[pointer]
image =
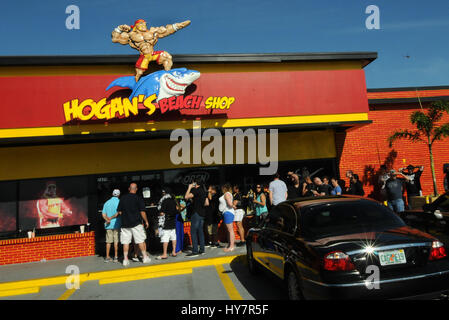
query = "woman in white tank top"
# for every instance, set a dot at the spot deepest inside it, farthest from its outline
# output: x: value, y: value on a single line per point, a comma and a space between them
x: 226, y: 206
x: 223, y: 206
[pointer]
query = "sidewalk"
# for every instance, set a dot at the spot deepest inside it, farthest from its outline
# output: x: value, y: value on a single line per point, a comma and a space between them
x: 94, y: 267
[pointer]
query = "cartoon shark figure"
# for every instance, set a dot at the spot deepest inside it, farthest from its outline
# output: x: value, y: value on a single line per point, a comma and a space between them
x: 164, y: 84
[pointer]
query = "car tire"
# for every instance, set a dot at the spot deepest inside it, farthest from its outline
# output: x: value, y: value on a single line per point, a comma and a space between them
x: 253, y: 265
x: 293, y: 286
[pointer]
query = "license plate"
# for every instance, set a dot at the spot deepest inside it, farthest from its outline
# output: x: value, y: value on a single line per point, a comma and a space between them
x: 392, y: 257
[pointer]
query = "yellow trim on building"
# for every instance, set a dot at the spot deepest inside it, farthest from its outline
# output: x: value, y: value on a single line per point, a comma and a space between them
x: 41, y: 161
x: 183, y: 124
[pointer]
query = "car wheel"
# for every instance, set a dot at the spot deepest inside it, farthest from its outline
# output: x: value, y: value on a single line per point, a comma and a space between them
x: 252, y: 263
x: 293, y: 287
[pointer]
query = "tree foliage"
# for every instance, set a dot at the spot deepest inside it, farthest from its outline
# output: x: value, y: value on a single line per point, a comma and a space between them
x: 427, y: 130
x: 426, y: 125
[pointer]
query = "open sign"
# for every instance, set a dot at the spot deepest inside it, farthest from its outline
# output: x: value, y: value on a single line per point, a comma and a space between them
x: 201, y: 177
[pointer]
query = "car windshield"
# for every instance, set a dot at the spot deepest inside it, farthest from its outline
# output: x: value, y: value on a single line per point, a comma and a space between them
x: 340, y: 218
x: 443, y: 202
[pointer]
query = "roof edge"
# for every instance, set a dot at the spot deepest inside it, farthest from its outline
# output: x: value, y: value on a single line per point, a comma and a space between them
x: 443, y: 87
x: 372, y: 102
x: 365, y: 57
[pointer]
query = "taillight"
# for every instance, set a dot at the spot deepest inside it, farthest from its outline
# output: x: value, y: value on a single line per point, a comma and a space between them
x: 338, y: 261
x: 437, y: 251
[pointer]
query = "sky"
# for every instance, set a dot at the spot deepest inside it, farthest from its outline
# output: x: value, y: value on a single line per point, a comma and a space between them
x: 412, y: 42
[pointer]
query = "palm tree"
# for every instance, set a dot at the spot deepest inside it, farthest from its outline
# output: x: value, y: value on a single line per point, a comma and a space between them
x: 426, y: 131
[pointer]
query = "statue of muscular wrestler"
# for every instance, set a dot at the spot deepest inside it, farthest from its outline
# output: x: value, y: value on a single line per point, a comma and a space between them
x: 144, y: 40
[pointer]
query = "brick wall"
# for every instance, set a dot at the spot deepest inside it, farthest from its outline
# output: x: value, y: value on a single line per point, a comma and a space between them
x: 48, y: 248
x: 364, y: 149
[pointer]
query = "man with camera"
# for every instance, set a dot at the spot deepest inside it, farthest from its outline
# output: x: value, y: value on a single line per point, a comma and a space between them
x: 412, y: 181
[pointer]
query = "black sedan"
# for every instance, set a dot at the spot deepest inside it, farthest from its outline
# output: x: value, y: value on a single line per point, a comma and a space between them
x: 347, y: 247
x: 433, y: 215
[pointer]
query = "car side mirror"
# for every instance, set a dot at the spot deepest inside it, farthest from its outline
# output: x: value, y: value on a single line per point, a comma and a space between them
x: 438, y: 214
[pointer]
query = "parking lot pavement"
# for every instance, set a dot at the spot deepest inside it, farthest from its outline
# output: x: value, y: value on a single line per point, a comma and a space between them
x: 52, y: 268
x: 214, y: 276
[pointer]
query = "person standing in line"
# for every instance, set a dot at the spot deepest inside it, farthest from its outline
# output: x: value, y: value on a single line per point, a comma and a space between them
x: 294, y: 189
x: 267, y: 192
x: 136, y: 252
x: 131, y: 208
x: 200, y: 201
x: 260, y: 203
x: 226, y: 206
x: 327, y: 185
x: 180, y: 226
x: 278, y: 190
x: 212, y: 217
x: 383, y: 178
x: 319, y: 188
x: 307, y: 187
x: 247, y: 202
x: 349, y: 175
x: 168, y: 209
x: 336, y: 190
x: 394, y: 190
x: 161, y: 218
x: 446, y: 178
x: 238, y: 214
x: 356, y: 187
x: 112, y: 224
x: 412, y: 182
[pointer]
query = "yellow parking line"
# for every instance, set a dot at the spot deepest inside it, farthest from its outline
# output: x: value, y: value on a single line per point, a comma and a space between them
x: 68, y: 293
x: 143, y: 276
x: 227, y: 283
x: 18, y: 292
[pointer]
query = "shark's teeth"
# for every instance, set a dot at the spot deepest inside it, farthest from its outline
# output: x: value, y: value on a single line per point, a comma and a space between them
x: 175, y: 86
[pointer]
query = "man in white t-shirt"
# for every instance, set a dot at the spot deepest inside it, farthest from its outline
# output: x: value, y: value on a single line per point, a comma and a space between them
x: 278, y: 190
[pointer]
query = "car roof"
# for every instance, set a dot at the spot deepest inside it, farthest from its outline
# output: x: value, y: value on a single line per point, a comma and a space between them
x: 308, y: 201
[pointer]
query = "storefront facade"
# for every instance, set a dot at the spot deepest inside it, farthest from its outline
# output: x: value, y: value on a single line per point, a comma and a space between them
x: 62, y: 129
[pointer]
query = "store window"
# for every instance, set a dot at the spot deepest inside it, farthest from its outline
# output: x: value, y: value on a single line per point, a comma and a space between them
x: 8, y: 207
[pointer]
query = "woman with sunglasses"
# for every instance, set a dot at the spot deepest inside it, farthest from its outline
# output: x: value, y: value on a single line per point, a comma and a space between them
x: 260, y: 204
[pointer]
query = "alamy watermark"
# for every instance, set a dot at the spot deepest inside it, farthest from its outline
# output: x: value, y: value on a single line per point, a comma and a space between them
x: 73, y: 280
x: 373, y: 20
x: 73, y: 20
x: 372, y: 281
x: 212, y: 153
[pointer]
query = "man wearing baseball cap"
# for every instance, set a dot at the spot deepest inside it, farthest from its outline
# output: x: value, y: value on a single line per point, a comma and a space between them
x: 112, y: 224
